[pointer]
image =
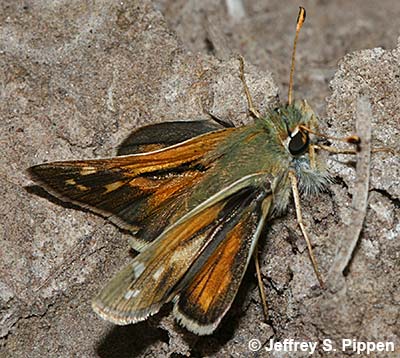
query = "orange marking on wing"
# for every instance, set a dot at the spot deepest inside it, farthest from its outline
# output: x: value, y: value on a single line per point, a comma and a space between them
x: 165, y: 189
x: 187, y: 229
x: 114, y: 186
x: 171, y: 157
x: 211, y: 283
x: 173, y: 186
x: 193, y: 150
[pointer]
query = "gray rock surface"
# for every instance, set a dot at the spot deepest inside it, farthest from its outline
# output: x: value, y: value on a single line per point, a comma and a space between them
x: 76, y: 78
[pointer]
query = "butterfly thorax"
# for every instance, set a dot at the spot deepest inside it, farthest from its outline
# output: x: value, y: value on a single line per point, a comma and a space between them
x: 273, y: 145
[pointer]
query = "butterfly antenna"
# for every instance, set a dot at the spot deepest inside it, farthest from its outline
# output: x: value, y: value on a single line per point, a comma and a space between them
x: 299, y: 23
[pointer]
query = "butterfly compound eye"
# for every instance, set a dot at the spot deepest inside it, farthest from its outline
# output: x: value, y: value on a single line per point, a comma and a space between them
x: 299, y: 143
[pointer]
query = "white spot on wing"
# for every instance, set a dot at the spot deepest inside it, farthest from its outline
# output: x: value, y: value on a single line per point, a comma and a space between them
x: 131, y: 294
x: 138, y: 269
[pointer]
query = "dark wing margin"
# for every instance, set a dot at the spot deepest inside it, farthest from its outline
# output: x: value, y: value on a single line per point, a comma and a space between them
x: 219, y: 234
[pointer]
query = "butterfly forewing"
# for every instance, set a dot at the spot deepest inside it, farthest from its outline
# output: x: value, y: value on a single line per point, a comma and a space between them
x: 143, y: 190
x: 158, y: 274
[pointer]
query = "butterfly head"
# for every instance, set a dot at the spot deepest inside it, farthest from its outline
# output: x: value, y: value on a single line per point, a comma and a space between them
x: 293, y: 127
x: 292, y: 124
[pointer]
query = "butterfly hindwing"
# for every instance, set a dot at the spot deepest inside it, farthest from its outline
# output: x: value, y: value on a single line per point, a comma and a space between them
x: 179, y: 255
x: 211, y: 286
x: 161, y: 135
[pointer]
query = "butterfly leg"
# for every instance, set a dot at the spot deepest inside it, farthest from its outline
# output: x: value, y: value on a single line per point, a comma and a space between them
x: 250, y: 104
x: 296, y: 197
x: 260, y: 284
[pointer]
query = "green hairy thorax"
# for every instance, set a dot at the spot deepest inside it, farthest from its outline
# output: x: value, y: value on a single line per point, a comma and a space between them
x: 263, y: 146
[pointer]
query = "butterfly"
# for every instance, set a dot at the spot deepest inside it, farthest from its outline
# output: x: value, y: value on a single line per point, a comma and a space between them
x: 196, y: 195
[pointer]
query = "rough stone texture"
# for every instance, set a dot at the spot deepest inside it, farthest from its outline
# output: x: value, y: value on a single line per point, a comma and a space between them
x: 76, y: 78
